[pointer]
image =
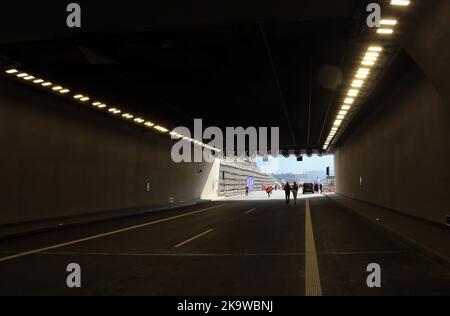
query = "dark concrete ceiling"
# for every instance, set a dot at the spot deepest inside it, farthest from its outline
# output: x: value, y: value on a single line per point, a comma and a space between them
x: 262, y: 64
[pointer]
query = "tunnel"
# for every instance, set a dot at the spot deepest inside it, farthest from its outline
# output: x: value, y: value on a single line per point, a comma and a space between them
x: 134, y: 138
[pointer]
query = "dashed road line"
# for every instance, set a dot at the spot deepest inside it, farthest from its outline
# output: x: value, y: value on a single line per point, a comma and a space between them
x: 251, y: 211
x: 26, y: 253
x: 193, y: 238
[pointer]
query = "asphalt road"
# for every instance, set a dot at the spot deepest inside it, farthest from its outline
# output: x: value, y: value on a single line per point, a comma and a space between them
x: 255, y: 246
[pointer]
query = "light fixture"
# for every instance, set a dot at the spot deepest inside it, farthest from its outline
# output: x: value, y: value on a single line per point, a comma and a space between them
x: 114, y: 111
x: 337, y: 123
x: 367, y: 63
x: 385, y: 31
x: 370, y: 58
x: 375, y: 49
x: 349, y: 100
x: 403, y: 3
x: 353, y: 93
x: 388, y: 22
x: 346, y: 107
x: 98, y: 104
x: 161, y: 129
x: 127, y: 116
x: 372, y: 54
x: 357, y: 83
x: 175, y: 134
x: 361, y: 76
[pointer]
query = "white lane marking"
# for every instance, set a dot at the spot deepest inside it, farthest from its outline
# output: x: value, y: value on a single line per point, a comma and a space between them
x: 329, y: 253
x: 312, y: 276
x: 252, y: 210
x: 22, y: 254
x: 193, y: 238
x: 143, y: 254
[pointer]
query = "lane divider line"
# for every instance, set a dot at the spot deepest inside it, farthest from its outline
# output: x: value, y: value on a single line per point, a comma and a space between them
x: 251, y: 211
x: 22, y: 254
x: 119, y: 254
x: 193, y: 238
x: 312, y: 276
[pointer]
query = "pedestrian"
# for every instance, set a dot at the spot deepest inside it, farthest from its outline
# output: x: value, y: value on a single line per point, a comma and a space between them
x: 287, y: 190
x: 246, y: 190
x: 269, y: 190
x: 295, y: 192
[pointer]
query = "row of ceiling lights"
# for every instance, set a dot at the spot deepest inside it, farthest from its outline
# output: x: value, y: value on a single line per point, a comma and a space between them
x: 370, y: 58
x: 102, y: 106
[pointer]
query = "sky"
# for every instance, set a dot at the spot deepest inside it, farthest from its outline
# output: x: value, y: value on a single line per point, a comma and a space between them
x: 291, y: 165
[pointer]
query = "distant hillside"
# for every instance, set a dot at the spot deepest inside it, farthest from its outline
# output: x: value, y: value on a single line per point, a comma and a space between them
x: 309, y: 176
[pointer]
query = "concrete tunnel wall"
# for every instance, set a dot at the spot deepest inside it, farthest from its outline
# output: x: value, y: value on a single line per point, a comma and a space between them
x: 402, y: 153
x: 60, y: 159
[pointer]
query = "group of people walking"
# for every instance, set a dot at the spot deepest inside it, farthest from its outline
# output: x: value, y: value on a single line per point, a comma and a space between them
x: 294, y: 188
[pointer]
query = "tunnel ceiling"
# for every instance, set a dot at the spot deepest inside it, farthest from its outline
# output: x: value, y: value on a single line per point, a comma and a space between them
x: 267, y: 65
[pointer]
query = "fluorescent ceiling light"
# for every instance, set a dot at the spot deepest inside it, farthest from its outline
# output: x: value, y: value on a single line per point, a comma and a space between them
x: 353, y: 93
x: 57, y: 88
x: 361, y: 76
x: 38, y: 81
x: 12, y: 71
x: 84, y: 99
x: 23, y: 74
x: 29, y: 77
x: 403, y: 3
x: 388, y: 22
x: 127, y: 116
x: 115, y: 111
x: 367, y: 63
x: 161, y: 129
x: 149, y: 124
x: 346, y: 107
x: 375, y: 49
x: 369, y: 58
x: 385, y: 31
x: 363, y: 70
x: 372, y: 54
x: 47, y: 84
x: 357, y: 83
x: 349, y: 101
x: 64, y: 91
